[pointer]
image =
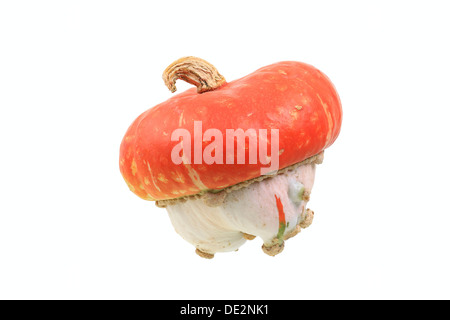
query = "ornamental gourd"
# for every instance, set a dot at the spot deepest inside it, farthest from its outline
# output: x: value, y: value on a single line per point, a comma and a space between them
x: 234, y: 160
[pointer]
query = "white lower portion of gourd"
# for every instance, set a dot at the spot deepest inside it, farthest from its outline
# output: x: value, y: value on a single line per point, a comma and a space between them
x: 248, y: 211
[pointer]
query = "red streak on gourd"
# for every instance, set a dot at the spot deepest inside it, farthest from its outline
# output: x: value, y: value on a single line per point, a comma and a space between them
x: 281, y: 218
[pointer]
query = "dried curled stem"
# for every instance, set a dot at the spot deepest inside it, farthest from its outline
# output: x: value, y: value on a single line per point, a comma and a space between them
x: 195, y: 71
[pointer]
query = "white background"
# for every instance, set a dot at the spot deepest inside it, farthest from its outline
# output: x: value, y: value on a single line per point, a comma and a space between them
x: 75, y: 74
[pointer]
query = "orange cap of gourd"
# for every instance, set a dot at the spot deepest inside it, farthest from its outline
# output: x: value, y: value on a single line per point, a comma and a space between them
x: 293, y: 97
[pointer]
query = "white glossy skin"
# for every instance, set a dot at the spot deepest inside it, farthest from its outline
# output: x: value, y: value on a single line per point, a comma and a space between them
x: 251, y: 210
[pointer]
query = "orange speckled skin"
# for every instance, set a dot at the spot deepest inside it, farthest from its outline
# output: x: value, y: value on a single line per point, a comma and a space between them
x: 293, y: 97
